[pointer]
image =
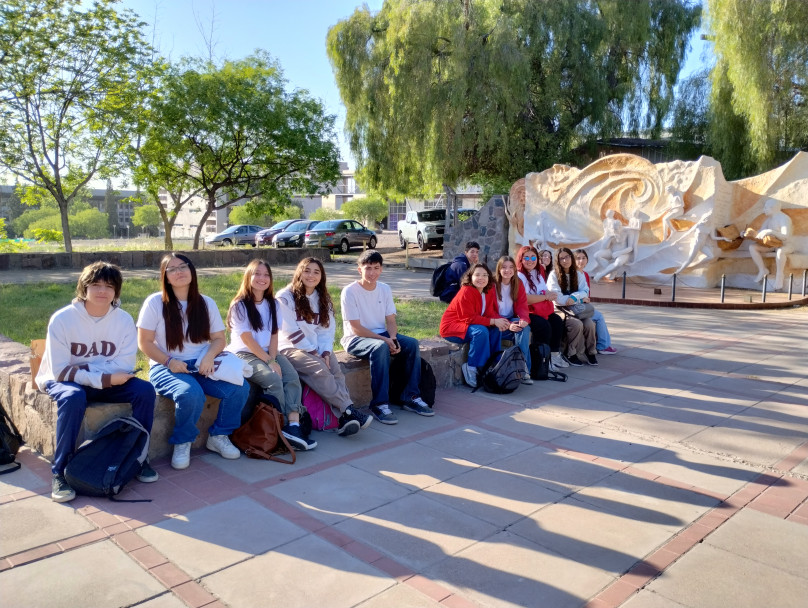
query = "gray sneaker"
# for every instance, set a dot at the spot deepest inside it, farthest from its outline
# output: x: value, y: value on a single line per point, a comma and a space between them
x: 470, y: 375
x: 383, y: 414
x: 61, y: 490
x: 418, y: 406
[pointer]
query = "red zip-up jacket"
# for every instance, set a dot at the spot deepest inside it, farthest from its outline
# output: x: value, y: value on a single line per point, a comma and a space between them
x: 466, y: 309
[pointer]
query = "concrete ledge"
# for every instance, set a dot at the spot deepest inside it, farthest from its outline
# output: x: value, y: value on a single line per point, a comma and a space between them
x: 34, y: 412
x: 203, y: 258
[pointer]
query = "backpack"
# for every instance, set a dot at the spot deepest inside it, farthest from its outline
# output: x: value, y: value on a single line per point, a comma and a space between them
x: 503, y: 372
x: 398, y: 381
x: 322, y: 417
x: 438, y: 283
x: 261, y: 437
x: 540, y: 364
x: 103, y: 465
x: 10, y: 442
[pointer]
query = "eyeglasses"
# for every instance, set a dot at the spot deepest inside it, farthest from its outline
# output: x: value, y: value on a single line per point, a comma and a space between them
x: 529, y: 258
x: 179, y: 268
x: 563, y: 258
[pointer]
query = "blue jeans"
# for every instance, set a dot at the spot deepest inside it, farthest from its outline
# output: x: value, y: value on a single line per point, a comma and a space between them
x: 520, y: 339
x: 604, y: 339
x: 188, y: 393
x: 71, y: 403
x: 483, y: 342
x: 378, y: 354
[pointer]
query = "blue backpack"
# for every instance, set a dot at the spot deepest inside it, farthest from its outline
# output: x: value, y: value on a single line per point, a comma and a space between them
x: 438, y: 283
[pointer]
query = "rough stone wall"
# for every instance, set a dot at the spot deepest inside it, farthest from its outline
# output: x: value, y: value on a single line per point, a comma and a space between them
x: 34, y: 413
x: 489, y: 227
x: 221, y: 256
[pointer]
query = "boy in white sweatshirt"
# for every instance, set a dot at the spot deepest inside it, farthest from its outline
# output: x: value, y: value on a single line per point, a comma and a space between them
x: 90, y: 357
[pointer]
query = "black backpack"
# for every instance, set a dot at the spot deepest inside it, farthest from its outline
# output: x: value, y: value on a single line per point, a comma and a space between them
x: 103, y: 465
x: 540, y: 364
x: 10, y: 442
x: 439, y: 279
x: 398, y: 381
x: 503, y: 372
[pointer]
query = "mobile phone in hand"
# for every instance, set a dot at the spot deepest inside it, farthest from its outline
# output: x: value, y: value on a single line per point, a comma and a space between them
x: 395, y: 341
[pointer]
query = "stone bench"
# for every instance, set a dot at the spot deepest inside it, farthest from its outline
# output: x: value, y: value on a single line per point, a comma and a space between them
x: 34, y: 413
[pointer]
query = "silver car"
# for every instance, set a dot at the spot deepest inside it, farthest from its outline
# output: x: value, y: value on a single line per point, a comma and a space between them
x: 240, y: 234
x: 340, y: 234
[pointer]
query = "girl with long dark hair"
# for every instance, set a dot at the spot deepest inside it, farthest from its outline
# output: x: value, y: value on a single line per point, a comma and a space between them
x: 177, y: 326
x: 512, y: 304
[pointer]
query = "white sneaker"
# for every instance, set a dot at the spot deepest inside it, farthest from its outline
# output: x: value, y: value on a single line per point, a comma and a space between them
x: 182, y: 456
x: 222, y: 445
x: 526, y: 379
x: 557, y: 360
x: 470, y: 375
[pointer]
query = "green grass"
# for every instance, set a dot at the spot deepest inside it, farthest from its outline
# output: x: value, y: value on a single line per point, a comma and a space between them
x: 27, y: 308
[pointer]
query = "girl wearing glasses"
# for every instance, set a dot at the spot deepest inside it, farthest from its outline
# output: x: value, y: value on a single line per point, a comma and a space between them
x: 472, y: 317
x: 176, y: 327
x: 546, y: 326
x: 254, y: 320
x: 545, y: 262
x: 571, y: 283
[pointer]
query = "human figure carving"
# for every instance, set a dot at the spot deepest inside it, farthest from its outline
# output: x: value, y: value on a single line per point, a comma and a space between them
x: 616, y: 251
x: 675, y: 210
x: 778, y: 227
x: 703, y: 231
x: 633, y: 229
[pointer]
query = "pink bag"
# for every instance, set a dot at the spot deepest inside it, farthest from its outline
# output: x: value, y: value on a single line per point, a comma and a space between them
x: 322, y: 416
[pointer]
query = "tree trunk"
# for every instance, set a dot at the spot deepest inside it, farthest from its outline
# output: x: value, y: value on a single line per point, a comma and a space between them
x: 65, y: 226
x: 200, y: 225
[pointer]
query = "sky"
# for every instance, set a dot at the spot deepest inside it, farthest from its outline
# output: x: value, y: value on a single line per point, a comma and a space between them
x: 293, y: 31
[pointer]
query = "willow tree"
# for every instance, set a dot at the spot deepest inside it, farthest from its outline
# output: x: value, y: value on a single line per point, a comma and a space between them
x: 437, y: 91
x: 760, y: 79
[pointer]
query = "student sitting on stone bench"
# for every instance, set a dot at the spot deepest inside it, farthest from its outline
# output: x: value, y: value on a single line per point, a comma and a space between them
x: 90, y: 356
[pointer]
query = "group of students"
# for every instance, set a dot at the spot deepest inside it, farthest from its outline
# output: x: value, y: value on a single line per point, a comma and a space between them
x: 526, y: 292
x: 286, y: 338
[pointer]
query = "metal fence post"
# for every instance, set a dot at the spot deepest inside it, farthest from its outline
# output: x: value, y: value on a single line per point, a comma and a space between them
x: 723, y: 285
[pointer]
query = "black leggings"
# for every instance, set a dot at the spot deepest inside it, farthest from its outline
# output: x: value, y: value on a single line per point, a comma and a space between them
x: 547, y: 331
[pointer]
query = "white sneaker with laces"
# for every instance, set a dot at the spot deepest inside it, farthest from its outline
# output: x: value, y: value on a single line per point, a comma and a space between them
x: 557, y: 360
x: 182, y: 456
x: 526, y: 379
x: 221, y: 444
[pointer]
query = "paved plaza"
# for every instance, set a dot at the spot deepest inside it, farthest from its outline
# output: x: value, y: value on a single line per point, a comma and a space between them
x: 674, y: 474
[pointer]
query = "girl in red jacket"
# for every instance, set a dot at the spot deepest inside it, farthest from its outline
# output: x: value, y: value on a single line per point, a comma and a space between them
x: 473, y: 317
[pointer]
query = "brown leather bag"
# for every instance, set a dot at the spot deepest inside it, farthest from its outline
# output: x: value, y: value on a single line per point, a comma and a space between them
x: 261, y: 437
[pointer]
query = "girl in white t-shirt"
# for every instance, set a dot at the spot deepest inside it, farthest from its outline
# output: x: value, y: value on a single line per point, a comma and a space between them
x: 176, y: 327
x: 254, y: 321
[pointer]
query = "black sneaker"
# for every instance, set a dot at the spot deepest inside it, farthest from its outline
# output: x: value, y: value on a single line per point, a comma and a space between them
x: 294, y: 435
x: 348, y: 424
x: 61, y: 490
x: 363, y: 418
x: 574, y: 360
x: 592, y: 359
x: 147, y: 473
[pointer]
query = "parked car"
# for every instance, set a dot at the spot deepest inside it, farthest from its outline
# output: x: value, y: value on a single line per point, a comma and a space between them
x: 295, y: 234
x: 422, y: 227
x: 267, y: 234
x: 340, y: 234
x: 240, y: 234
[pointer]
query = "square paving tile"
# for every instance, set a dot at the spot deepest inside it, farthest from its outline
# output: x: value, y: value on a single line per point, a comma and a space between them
x: 37, y: 521
x: 536, y: 424
x: 220, y: 535
x: 401, y: 596
x: 414, y: 468
x: 554, y: 470
x: 167, y: 600
x: 508, y: 570
x: 766, y: 539
x: 643, y: 500
x: 591, y: 536
x: 98, y: 575
x: 615, y: 393
x: 475, y: 444
x: 709, y: 577
x: 607, y: 443
x: 305, y: 573
x: 758, y: 446
x: 494, y: 495
x: 585, y: 409
x: 416, y: 531
x: 649, y: 599
x: 11, y: 483
x: 339, y: 492
x: 653, y: 385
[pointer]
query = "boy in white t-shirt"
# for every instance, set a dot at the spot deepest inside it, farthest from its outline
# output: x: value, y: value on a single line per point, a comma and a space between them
x: 370, y: 332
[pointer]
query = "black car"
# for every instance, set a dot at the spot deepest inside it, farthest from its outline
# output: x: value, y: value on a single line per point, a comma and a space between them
x: 265, y: 236
x: 294, y: 235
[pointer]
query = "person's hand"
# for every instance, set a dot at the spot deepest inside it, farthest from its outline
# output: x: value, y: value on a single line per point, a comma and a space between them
x: 119, y: 378
x: 552, y: 296
x: 327, y: 359
x: 586, y: 300
x: 515, y: 328
x: 501, y: 324
x: 176, y: 366
x: 393, y: 345
x: 275, y: 367
x: 206, y: 365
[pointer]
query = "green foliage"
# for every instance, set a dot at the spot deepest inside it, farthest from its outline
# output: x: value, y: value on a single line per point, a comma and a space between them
x: 44, y: 235
x: 7, y: 246
x: 438, y: 91
x: 147, y: 216
x: 324, y: 213
x: 233, y: 133
x: 367, y: 210
x: 247, y: 214
x: 759, y: 81
x: 292, y: 211
x: 31, y: 216
x: 72, y: 78
x: 90, y: 224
